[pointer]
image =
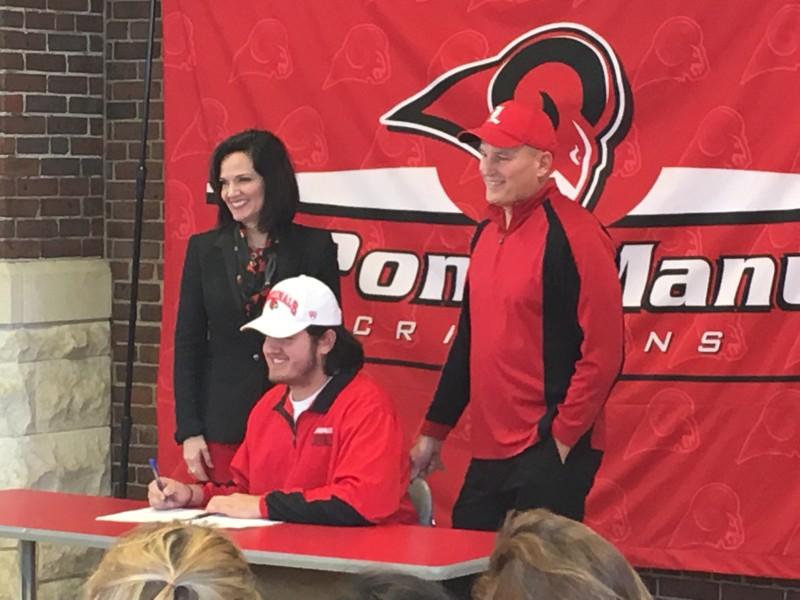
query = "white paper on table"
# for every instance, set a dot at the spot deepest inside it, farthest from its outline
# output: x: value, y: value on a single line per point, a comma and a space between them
x: 151, y: 515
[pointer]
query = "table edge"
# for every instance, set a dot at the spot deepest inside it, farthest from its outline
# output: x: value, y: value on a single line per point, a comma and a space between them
x: 274, y: 559
x: 354, y: 565
x: 57, y: 537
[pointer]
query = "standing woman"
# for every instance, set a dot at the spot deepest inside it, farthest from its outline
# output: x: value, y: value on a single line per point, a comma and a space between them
x: 219, y: 371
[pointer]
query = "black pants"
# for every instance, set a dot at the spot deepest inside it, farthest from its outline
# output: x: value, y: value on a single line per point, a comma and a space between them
x: 535, y: 478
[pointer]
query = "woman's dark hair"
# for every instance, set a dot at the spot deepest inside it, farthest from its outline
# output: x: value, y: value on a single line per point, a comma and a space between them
x: 347, y: 353
x: 271, y: 161
x: 394, y: 586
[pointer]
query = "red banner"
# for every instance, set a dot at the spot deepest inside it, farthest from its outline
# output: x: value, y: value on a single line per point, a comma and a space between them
x: 677, y: 126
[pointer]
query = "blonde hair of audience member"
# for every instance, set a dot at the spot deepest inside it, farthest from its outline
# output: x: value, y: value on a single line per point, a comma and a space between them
x: 542, y: 556
x: 173, y: 561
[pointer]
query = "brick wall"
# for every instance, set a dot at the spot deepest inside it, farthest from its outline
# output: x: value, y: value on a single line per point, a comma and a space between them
x: 672, y: 585
x: 126, y: 27
x: 64, y: 65
x: 51, y: 128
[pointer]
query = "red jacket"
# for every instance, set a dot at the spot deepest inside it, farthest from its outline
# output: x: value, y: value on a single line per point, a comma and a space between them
x: 344, y: 463
x: 540, y: 338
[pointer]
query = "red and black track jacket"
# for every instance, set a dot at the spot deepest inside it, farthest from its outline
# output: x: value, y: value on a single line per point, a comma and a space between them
x: 343, y: 463
x: 540, y: 336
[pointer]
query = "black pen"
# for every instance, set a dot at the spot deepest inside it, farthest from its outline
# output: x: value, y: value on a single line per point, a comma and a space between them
x: 204, y: 515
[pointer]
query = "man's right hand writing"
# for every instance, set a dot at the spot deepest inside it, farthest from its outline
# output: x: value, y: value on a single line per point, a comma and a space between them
x: 173, y: 495
x: 426, y: 456
x: 197, y: 457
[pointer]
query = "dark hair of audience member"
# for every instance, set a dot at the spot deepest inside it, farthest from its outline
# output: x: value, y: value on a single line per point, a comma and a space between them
x: 542, y: 556
x: 173, y: 561
x: 394, y: 586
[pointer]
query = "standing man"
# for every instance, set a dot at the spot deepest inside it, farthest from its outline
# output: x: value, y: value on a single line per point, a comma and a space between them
x: 539, y: 340
x: 324, y: 445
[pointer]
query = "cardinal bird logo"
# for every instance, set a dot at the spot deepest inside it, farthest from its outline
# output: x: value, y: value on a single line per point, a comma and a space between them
x: 567, y: 69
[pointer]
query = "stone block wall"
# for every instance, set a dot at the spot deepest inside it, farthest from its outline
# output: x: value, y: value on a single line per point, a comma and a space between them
x: 55, y: 394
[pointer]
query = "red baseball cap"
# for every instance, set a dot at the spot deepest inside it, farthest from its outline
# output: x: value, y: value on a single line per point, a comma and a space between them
x: 511, y: 124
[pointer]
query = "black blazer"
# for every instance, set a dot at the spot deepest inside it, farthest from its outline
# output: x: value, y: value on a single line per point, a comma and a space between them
x: 219, y: 371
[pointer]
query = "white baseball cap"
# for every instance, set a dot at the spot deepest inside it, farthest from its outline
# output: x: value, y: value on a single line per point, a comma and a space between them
x: 294, y: 304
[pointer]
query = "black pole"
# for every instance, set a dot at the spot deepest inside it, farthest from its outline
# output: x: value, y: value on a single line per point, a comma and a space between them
x: 141, y: 178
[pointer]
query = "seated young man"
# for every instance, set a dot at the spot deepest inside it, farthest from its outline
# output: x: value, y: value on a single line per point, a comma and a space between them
x: 324, y: 445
